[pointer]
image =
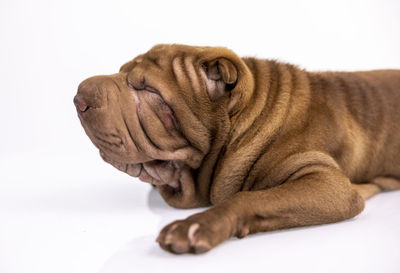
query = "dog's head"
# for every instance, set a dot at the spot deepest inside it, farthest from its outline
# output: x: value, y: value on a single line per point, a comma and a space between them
x: 160, y: 116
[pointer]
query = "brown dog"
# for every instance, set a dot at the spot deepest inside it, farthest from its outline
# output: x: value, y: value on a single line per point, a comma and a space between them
x: 271, y: 146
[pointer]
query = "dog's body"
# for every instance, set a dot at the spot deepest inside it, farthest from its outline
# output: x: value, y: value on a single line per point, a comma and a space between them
x: 269, y: 145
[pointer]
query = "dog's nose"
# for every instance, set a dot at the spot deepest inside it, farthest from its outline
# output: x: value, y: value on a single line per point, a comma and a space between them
x: 89, y: 93
x: 80, y: 103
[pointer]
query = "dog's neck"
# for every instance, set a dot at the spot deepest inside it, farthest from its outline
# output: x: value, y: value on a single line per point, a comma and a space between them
x: 258, y: 124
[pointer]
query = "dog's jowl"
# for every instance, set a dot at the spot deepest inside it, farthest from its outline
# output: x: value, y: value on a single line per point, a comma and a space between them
x: 269, y: 145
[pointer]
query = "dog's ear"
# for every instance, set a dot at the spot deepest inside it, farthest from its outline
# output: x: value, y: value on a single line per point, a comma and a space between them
x: 221, y: 76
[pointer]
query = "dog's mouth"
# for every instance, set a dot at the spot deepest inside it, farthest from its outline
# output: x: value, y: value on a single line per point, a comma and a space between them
x: 155, y: 172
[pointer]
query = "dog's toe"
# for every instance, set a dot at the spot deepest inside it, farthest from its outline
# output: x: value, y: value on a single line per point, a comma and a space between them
x: 185, y: 237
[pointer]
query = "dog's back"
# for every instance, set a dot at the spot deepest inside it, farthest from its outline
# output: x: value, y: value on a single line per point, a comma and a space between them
x: 366, y: 108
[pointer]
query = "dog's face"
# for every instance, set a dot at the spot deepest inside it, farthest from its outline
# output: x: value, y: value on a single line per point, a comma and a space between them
x: 158, y: 117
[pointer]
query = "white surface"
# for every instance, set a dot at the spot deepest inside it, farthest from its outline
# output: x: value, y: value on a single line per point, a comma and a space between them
x: 77, y: 214
x: 63, y: 210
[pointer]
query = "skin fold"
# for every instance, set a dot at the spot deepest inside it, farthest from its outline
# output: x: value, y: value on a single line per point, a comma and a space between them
x: 269, y: 145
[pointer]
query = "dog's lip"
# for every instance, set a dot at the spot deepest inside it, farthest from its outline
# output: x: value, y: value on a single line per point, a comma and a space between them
x: 154, y: 173
x: 133, y: 169
x: 148, y: 174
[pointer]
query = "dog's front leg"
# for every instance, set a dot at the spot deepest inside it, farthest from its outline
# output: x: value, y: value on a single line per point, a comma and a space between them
x: 315, y: 194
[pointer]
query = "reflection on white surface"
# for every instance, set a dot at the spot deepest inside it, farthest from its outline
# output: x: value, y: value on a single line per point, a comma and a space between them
x: 77, y: 214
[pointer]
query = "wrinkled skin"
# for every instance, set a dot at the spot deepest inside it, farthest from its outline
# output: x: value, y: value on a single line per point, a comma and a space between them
x: 132, y: 117
x: 269, y: 145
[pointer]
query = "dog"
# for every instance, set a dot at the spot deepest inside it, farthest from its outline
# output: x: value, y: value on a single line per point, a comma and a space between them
x: 269, y: 145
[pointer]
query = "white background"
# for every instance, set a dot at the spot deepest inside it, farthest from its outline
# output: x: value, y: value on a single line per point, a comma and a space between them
x: 64, y: 210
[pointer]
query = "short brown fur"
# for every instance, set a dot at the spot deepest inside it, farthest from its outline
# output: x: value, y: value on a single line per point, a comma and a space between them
x: 270, y: 145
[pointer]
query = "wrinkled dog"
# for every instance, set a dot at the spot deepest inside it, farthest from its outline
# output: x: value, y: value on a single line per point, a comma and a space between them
x: 271, y: 146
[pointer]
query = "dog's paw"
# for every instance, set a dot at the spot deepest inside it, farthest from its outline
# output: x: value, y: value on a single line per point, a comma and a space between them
x: 186, y: 236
